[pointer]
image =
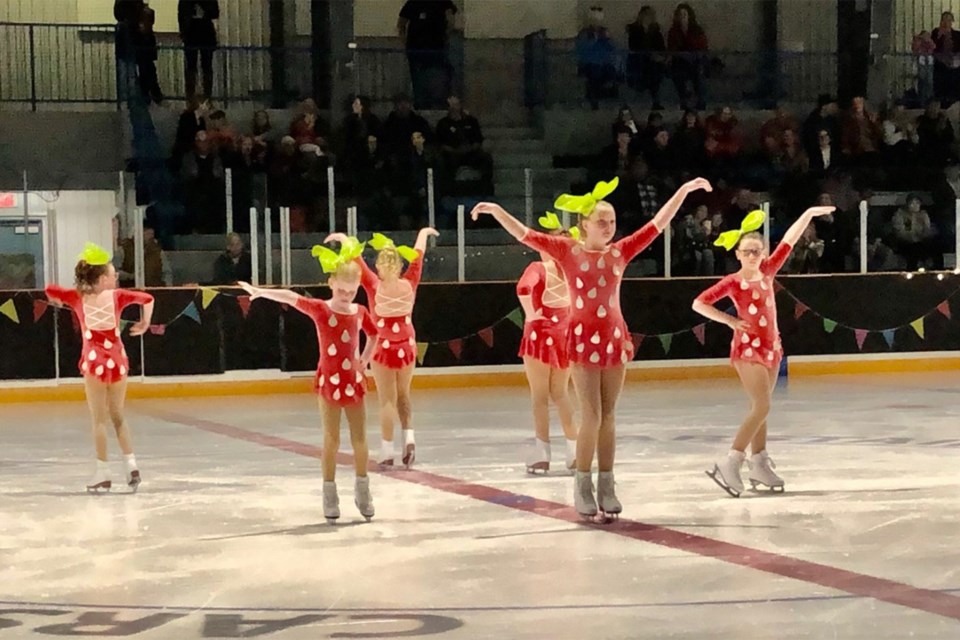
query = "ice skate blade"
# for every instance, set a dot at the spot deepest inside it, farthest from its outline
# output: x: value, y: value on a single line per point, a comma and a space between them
x: 760, y: 487
x: 386, y: 465
x: 716, y: 477
x: 538, y: 468
x: 332, y: 521
x: 409, y: 456
x: 600, y: 518
x: 134, y: 482
x: 101, y: 486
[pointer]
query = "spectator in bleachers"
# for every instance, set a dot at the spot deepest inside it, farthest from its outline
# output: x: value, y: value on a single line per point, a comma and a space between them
x: 234, y: 264
x: 461, y: 145
x: 946, y: 67
x: 203, y: 185
x: 824, y: 156
x: 637, y: 199
x: 806, y: 254
x: 308, y: 128
x: 946, y: 192
x: 839, y: 229
x: 687, y: 43
x: 221, y: 134
x: 625, y: 122
x: 824, y: 118
x: 287, y: 182
x: 145, y: 41
x: 913, y: 235
x: 192, y: 120
x: 401, y: 124
x: 596, y: 59
x: 646, y: 63
x: 662, y: 158
x: 862, y: 135
x: 249, y: 175
x: 771, y: 131
x: 357, y: 128
x: 198, y: 32
x: 924, y: 48
x: 900, y: 138
x: 936, y: 136
x: 411, y: 180
x: 615, y: 159
x: 264, y: 135
x: 723, y: 142
x: 689, y: 140
x: 695, y: 255
x: 156, y: 266
x: 791, y: 157
x: 424, y: 26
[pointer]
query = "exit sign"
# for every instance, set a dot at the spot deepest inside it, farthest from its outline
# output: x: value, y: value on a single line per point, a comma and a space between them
x: 8, y: 200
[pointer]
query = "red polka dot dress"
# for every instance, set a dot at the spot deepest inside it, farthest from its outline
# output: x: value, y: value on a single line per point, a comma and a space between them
x: 339, y: 378
x: 396, y: 338
x: 546, y: 338
x: 103, y: 356
x: 756, y: 305
x: 598, y: 336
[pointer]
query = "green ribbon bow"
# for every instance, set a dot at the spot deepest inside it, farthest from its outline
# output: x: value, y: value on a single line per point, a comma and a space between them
x: 380, y: 242
x: 552, y: 222
x: 331, y: 260
x: 95, y: 255
x: 585, y: 204
x: 729, y: 239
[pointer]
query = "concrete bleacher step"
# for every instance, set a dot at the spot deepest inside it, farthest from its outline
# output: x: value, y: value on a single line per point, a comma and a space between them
x: 522, y: 161
x: 510, y: 133
x: 513, y: 145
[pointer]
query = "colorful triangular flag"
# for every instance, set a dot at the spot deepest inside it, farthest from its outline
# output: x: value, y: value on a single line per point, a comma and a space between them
x: 666, y: 339
x: 422, y: 351
x: 39, y: 309
x: 192, y: 312
x: 918, y: 326
x: 208, y: 296
x: 829, y: 325
x: 860, y: 335
x: 700, y: 332
x: 888, y: 335
x: 944, y: 308
x: 637, y: 339
x: 244, y: 302
x: 486, y: 335
x: 516, y: 317
x: 777, y: 286
x: 9, y: 309
x: 158, y: 329
x: 799, y: 310
x: 456, y: 347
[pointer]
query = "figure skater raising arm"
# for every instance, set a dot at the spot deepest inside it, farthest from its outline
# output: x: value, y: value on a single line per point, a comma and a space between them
x: 756, y: 351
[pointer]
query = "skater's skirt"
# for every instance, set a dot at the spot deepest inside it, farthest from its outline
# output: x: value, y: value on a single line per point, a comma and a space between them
x: 340, y: 388
x: 599, y: 346
x: 103, y: 356
x: 546, y: 340
x: 769, y: 358
x: 395, y: 354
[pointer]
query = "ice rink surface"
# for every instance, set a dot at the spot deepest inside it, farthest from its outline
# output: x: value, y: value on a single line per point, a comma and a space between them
x: 226, y: 537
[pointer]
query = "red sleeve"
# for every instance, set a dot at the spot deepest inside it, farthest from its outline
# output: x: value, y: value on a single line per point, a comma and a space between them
x: 632, y: 245
x: 531, y: 282
x: 367, y: 324
x: 414, y: 272
x: 318, y: 310
x: 557, y: 247
x: 717, y: 292
x: 777, y: 259
x: 368, y: 280
x: 125, y: 297
x: 62, y: 295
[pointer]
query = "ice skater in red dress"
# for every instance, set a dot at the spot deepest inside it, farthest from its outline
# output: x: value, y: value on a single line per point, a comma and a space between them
x: 391, y: 294
x: 340, y: 382
x: 98, y: 304
x: 545, y: 299
x: 755, y: 351
x: 598, y: 341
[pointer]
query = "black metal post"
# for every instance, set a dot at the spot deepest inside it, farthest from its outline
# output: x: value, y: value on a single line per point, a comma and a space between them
x: 278, y: 64
x: 33, y: 70
x: 320, y: 53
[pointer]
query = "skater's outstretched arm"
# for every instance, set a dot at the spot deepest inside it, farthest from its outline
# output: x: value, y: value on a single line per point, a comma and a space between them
x: 283, y: 296
x: 778, y: 258
x: 670, y: 207
x: 513, y: 226
x: 421, y: 243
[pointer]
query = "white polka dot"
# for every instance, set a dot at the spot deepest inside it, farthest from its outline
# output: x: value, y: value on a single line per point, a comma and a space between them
x: 595, y: 338
x: 776, y: 346
x: 345, y: 336
x: 602, y: 281
x: 359, y: 377
x: 756, y: 295
x: 609, y: 348
x: 770, y: 355
x: 769, y: 302
x: 336, y: 394
x: 88, y: 335
x: 763, y: 285
x: 549, y: 341
x: 615, y: 253
x: 335, y: 379
x: 744, y: 338
x: 555, y: 319
x: 601, y: 263
x: 617, y: 334
x: 612, y: 301
x: 756, y: 343
x: 402, y: 354
x: 533, y: 336
x: 578, y: 330
x: 380, y: 323
x: 594, y: 357
x: 396, y: 327
x: 623, y: 357
x: 617, y: 271
x: 385, y: 344
x: 584, y: 266
x: 748, y: 352
x: 92, y: 356
x: 99, y: 370
x: 744, y: 285
x: 123, y: 370
x: 580, y: 348
x: 579, y: 302
x: 332, y: 350
x: 412, y: 342
x: 752, y: 310
x: 407, y: 320
x: 111, y: 364
x: 332, y: 321
x: 763, y: 321
x: 601, y: 312
x: 84, y: 367
x: 579, y: 283
x: 346, y: 365
x: 592, y: 293
x: 350, y: 391
x: 320, y: 380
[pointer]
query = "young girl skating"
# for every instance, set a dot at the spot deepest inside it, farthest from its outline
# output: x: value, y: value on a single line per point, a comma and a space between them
x: 755, y: 351
x: 391, y: 294
x: 340, y: 382
x: 98, y: 304
x: 545, y: 299
x: 598, y: 341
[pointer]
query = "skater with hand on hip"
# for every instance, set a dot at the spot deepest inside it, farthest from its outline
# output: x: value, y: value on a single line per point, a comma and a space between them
x: 391, y: 294
x: 339, y: 382
x: 598, y: 342
x: 545, y: 299
x: 755, y: 351
x: 98, y: 303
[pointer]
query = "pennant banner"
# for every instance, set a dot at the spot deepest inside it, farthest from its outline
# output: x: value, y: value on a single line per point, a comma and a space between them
x: 486, y: 335
x: 700, y: 332
x: 39, y: 309
x: 516, y: 317
x: 829, y: 325
x: 244, y: 302
x: 10, y: 310
x: 158, y: 329
x: 124, y: 324
x: 422, y: 351
x: 861, y: 335
x: 192, y: 312
x: 918, y: 326
x: 666, y: 339
x: 799, y: 310
x: 888, y: 336
x: 208, y: 296
x: 637, y: 340
x: 456, y: 347
x: 944, y: 308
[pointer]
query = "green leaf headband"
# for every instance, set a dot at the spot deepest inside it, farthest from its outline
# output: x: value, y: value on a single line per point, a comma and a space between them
x: 552, y: 222
x: 729, y: 239
x: 331, y: 260
x: 95, y: 255
x: 381, y: 242
x: 585, y: 204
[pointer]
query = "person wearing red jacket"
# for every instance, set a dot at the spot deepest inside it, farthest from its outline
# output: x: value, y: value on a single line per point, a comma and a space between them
x: 687, y: 43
